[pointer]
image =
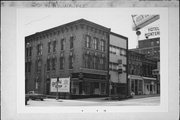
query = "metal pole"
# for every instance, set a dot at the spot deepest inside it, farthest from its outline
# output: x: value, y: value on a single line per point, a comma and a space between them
x: 45, y: 79
x: 109, y: 87
x: 57, y: 97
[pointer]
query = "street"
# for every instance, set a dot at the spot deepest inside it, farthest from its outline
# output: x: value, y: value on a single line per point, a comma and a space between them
x: 149, y: 101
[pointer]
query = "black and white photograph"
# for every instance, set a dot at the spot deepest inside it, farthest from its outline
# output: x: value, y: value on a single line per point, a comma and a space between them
x: 106, y: 62
x: 85, y: 63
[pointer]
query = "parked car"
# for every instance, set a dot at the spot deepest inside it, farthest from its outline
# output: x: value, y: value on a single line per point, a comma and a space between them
x: 26, y: 99
x: 33, y: 95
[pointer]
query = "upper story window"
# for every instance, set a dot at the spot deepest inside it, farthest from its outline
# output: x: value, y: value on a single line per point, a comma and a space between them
x: 62, y: 44
x: 49, y: 47
x: 87, y: 62
x: 95, y: 43
x: 87, y: 41
x: 71, y: 42
x: 125, y: 68
x: 157, y: 42
x: 61, y: 62
x: 113, y: 66
x: 102, y: 63
x: 54, y: 63
x: 28, y: 50
x: 152, y: 43
x: 70, y: 62
x: 54, y: 46
x: 102, y: 45
x: 117, y: 50
x: 39, y: 49
x: 48, y: 64
x: 112, y: 50
x: 39, y: 64
x: 28, y: 67
x: 123, y: 52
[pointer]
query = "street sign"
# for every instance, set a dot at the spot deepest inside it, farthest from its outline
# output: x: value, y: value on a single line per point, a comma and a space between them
x: 63, y: 85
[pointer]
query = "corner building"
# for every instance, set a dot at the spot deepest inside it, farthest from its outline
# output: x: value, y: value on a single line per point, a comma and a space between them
x: 78, y: 50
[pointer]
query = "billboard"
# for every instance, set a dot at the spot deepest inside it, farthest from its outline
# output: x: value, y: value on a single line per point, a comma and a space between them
x: 63, y: 85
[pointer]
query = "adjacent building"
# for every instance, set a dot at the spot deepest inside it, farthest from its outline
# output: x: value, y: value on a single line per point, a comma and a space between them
x: 151, y: 49
x: 79, y: 50
x: 141, y: 79
x: 118, y: 64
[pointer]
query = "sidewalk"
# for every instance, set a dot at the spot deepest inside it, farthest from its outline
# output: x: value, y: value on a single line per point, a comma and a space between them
x: 145, y: 96
x: 105, y: 98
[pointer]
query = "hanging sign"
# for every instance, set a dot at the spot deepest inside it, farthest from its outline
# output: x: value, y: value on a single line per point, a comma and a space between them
x: 153, y: 32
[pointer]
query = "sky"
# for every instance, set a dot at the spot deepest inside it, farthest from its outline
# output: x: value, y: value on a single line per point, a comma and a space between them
x: 118, y: 19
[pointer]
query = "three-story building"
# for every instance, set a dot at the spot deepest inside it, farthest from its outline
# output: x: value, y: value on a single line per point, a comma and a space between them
x: 78, y: 50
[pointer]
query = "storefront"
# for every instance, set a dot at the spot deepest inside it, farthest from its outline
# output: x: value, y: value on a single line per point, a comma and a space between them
x: 89, y: 85
x: 88, y: 88
x: 150, y: 85
x: 136, y: 84
x: 142, y: 85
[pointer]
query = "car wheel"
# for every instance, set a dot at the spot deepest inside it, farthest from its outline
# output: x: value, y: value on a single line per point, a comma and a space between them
x: 41, y: 99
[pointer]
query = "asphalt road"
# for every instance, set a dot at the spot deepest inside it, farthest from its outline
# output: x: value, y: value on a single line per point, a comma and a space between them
x: 149, y: 101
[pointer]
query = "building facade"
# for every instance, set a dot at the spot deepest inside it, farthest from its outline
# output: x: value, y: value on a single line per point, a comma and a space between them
x: 141, y: 79
x: 151, y: 49
x: 118, y: 62
x: 78, y: 50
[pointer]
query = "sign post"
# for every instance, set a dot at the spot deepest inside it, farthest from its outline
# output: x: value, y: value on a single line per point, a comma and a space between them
x: 57, y: 94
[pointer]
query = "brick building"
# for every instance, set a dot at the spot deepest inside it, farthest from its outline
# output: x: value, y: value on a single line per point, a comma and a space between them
x: 151, y: 49
x: 118, y: 62
x: 141, y: 79
x: 78, y: 50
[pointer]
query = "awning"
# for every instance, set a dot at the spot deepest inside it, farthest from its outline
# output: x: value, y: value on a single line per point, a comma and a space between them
x: 136, y: 77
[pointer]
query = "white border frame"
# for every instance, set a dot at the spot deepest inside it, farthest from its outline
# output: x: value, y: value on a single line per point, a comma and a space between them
x: 9, y: 73
x: 163, y: 107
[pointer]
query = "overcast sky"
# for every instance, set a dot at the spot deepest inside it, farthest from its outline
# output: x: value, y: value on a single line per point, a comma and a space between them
x: 118, y: 19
